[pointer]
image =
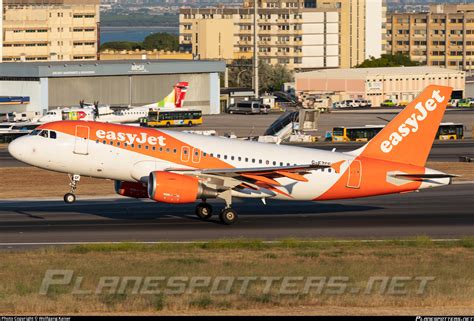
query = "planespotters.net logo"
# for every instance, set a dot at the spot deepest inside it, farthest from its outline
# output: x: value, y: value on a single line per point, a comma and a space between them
x: 130, y: 139
x: 412, y: 123
x: 450, y: 318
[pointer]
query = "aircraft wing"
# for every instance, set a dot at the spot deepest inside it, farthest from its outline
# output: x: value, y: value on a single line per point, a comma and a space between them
x: 254, y: 177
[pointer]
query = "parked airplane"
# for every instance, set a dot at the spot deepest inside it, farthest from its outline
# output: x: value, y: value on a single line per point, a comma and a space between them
x: 176, y: 167
x: 175, y: 99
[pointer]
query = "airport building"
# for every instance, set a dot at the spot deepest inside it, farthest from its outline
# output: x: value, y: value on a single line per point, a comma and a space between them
x: 444, y: 36
x: 302, y: 34
x: 49, y: 30
x: 49, y: 85
x: 399, y: 84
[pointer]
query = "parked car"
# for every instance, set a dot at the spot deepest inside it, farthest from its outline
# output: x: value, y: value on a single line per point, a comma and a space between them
x: 453, y: 102
x: 363, y: 103
x: 388, y: 103
x: 248, y: 107
x: 347, y: 103
x: 466, y: 102
x: 403, y: 103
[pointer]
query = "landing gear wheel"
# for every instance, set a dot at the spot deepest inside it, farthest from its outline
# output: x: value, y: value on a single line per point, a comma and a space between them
x: 228, y: 216
x: 69, y: 198
x: 204, y: 211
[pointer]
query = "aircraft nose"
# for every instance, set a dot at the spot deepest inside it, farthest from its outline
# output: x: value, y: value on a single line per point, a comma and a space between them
x: 19, y: 149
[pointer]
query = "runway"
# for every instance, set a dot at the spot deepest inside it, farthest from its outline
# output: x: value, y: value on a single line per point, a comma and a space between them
x: 442, y: 151
x: 444, y: 212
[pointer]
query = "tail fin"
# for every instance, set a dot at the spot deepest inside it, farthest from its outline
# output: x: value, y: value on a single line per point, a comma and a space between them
x: 175, y: 98
x: 180, y: 90
x: 409, y: 136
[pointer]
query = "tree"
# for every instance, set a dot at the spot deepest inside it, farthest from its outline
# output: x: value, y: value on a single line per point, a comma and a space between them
x: 121, y: 45
x: 161, y: 41
x: 270, y: 77
x: 387, y: 60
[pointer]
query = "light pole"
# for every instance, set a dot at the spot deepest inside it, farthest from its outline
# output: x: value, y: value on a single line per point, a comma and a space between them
x: 255, y: 50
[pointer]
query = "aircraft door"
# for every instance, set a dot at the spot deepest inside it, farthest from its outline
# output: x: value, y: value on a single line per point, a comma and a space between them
x: 81, y: 143
x: 196, y: 155
x: 355, y: 174
x: 185, y: 151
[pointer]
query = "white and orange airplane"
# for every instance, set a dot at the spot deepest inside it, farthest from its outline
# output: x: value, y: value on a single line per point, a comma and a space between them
x: 176, y: 167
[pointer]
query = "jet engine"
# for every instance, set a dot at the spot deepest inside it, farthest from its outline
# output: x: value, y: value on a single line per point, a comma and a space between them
x: 130, y: 189
x: 175, y: 188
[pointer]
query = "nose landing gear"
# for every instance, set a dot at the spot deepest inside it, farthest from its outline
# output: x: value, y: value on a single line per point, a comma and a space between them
x: 70, y: 197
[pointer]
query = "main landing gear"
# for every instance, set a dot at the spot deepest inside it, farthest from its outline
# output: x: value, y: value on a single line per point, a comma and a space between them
x: 204, y: 210
x: 70, y: 197
x: 227, y: 216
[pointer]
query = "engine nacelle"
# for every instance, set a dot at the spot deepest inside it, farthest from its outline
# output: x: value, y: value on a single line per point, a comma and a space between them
x: 129, y: 189
x: 175, y: 188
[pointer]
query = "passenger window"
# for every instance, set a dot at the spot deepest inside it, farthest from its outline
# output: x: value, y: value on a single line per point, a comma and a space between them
x: 111, y: 142
x: 204, y: 154
x: 260, y: 161
x: 118, y: 143
x: 246, y: 159
x: 146, y: 146
x: 175, y: 150
x: 167, y: 150
x: 274, y: 163
x: 133, y: 145
x: 103, y: 142
x: 232, y: 157
x: 225, y: 156
x: 154, y: 148
x: 52, y: 134
x: 253, y: 160
x: 281, y: 163
x: 240, y: 158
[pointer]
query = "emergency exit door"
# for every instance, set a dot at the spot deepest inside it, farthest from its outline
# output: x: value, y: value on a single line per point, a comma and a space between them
x: 81, y: 143
x: 355, y: 174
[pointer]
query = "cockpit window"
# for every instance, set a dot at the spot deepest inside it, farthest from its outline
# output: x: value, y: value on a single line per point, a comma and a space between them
x: 35, y: 132
x: 52, y: 134
x: 44, y: 133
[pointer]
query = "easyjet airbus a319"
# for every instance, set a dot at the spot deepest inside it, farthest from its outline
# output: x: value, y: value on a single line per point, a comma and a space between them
x: 175, y: 167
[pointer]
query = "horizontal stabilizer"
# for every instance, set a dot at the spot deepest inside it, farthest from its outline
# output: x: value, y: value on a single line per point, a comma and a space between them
x: 423, y: 176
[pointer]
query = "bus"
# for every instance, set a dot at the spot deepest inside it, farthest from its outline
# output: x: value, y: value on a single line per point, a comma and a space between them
x: 446, y: 131
x: 167, y: 118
